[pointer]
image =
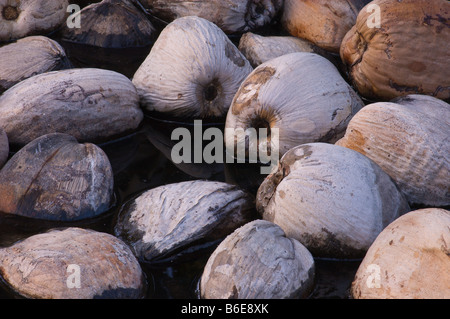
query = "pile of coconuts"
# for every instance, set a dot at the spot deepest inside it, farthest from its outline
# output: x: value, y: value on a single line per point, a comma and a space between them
x: 354, y: 98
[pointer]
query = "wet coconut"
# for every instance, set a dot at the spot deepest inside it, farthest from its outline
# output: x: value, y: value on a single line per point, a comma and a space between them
x: 56, y: 178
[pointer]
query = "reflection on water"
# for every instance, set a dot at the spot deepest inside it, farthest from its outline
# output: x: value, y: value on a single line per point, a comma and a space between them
x: 141, y: 161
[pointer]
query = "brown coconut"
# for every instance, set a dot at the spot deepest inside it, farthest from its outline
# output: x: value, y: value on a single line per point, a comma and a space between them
x: 391, y: 61
x: 232, y: 16
x: 334, y: 200
x: 56, y: 178
x: 322, y: 22
x: 28, y: 57
x: 72, y: 263
x: 409, y: 139
x: 21, y: 18
x: 193, y: 71
x: 258, y: 261
x: 410, y: 259
x: 93, y: 105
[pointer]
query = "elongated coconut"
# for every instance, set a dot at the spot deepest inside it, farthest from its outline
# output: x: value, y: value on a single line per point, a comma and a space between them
x: 334, y: 200
x: 28, y: 57
x: 258, y: 261
x: 298, y: 98
x: 409, y: 138
x: 92, y: 105
x: 389, y: 61
x: 56, y: 178
x: 232, y: 16
x: 21, y: 18
x: 170, y: 219
x: 72, y: 263
x: 410, y: 259
x: 324, y: 23
x: 192, y: 71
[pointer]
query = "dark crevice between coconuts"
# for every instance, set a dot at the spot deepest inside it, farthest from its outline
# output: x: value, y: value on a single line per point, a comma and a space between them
x: 10, y: 13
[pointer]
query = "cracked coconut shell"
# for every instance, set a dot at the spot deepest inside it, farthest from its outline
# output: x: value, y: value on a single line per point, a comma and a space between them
x: 193, y: 71
x: 28, y: 57
x: 322, y: 22
x: 72, y: 263
x: 409, y: 139
x: 232, y: 16
x: 410, y: 259
x: 258, y: 261
x: 302, y: 95
x: 334, y: 200
x: 93, y: 105
x: 21, y: 18
x: 56, y: 178
x: 408, y: 54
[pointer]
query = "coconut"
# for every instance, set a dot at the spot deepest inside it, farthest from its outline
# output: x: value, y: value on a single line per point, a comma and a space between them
x: 192, y: 71
x: 72, y: 263
x: 232, y: 16
x: 334, y: 200
x: 409, y: 139
x: 21, y: 18
x: 92, y: 105
x: 408, y: 260
x: 30, y: 56
x: 4, y: 147
x: 170, y: 220
x: 298, y: 97
x: 258, y: 261
x: 322, y: 22
x: 379, y: 60
x: 259, y: 49
x: 56, y: 178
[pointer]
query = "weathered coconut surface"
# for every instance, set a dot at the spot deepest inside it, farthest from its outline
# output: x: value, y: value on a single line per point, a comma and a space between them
x: 92, y: 105
x: 409, y: 139
x: 21, y: 18
x: 232, y: 16
x: 334, y: 200
x: 72, y: 263
x: 300, y: 96
x: 4, y: 147
x: 258, y: 261
x: 259, y: 49
x: 324, y: 23
x: 193, y: 71
x: 28, y: 57
x: 379, y: 60
x: 170, y: 219
x: 112, y: 24
x: 410, y: 259
x: 56, y: 178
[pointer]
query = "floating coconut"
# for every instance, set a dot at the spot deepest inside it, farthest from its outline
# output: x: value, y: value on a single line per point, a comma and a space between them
x: 232, y: 16
x: 56, y: 178
x: 4, y: 147
x: 182, y: 217
x: 21, y: 18
x: 113, y: 34
x: 408, y: 260
x: 259, y: 49
x: 90, y: 104
x: 334, y: 200
x: 192, y: 71
x: 72, y: 263
x: 302, y: 95
x: 30, y: 56
x: 380, y: 60
x: 322, y: 22
x: 409, y: 139
x: 258, y: 261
